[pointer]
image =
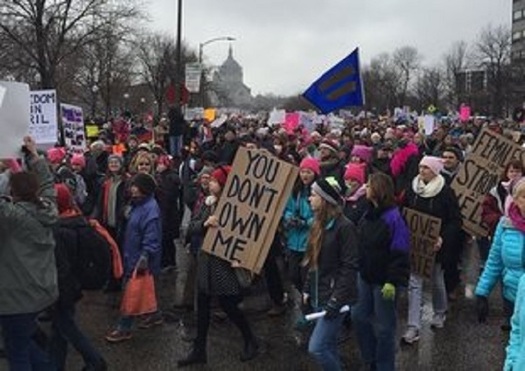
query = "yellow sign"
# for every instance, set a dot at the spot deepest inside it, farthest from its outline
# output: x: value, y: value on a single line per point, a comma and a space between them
x: 92, y: 131
x: 431, y: 109
x: 209, y: 114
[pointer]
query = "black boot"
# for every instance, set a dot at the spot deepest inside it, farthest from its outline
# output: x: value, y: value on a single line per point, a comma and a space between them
x: 250, y: 351
x: 197, y: 356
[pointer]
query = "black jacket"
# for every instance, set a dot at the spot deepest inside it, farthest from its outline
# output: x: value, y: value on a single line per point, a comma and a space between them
x: 384, y: 246
x: 336, y: 275
x: 66, y: 250
x: 444, y: 206
x: 168, y: 197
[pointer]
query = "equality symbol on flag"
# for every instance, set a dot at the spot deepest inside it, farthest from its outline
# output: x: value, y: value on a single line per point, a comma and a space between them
x: 339, y: 87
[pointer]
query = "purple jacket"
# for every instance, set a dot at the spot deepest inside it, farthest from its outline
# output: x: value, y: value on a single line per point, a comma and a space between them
x: 143, y: 234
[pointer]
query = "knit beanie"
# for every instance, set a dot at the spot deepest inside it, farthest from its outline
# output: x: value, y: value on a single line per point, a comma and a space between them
x: 220, y: 174
x: 329, y: 190
x: 64, y: 198
x: 312, y: 164
x: 363, y: 152
x: 329, y: 144
x: 164, y: 160
x: 435, y: 164
x: 116, y: 157
x: 78, y: 160
x: 56, y: 155
x: 355, y: 172
x: 145, y: 183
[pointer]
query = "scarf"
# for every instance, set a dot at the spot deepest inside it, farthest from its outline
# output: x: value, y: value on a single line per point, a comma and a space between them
x: 430, y: 189
x: 518, y: 220
x: 360, y: 192
x: 111, y: 217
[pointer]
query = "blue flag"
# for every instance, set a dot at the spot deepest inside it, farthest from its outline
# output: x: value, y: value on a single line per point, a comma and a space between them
x: 338, y: 88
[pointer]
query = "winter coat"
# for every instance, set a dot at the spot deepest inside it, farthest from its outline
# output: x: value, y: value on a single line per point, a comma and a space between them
x: 493, y: 207
x: 101, y: 208
x: 515, y: 360
x: 298, y: 209
x: 506, y: 259
x: 384, y: 245
x: 355, y: 210
x: 168, y: 197
x: 338, y: 263
x: 28, y: 276
x: 228, y: 151
x: 143, y: 235
x: 215, y: 276
x: 66, y: 255
x: 444, y: 206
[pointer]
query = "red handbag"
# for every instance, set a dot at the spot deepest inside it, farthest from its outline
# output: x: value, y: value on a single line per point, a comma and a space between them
x: 139, y: 295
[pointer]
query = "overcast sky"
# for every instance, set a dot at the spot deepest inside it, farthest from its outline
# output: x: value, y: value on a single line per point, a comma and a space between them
x: 284, y: 45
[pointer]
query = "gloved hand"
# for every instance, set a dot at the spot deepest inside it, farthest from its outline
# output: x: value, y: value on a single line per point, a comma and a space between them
x: 482, y: 307
x: 388, y: 291
x: 332, y: 309
x: 142, y: 264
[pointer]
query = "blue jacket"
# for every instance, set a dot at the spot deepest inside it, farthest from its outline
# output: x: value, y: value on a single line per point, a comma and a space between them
x: 298, y: 218
x: 143, y: 234
x: 506, y: 259
x: 515, y: 360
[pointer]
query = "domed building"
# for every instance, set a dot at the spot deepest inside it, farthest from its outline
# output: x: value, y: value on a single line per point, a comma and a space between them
x: 229, y: 85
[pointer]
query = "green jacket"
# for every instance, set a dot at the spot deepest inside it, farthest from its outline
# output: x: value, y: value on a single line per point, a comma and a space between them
x: 28, y: 276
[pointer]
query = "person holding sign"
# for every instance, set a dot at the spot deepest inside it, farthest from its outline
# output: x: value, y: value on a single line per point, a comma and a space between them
x: 216, y: 277
x: 384, y: 266
x: 28, y: 274
x: 506, y: 256
x: 431, y: 195
x: 332, y: 259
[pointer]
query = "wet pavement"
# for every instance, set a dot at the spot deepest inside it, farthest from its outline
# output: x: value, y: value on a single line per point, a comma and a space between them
x: 462, y: 345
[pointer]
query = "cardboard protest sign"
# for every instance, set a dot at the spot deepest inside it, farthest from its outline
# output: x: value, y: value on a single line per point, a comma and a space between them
x: 424, y: 233
x: 73, y: 125
x: 44, y: 123
x: 14, y: 117
x: 480, y: 173
x: 250, y: 208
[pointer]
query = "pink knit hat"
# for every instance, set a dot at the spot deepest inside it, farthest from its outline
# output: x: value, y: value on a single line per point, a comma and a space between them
x: 355, y: 172
x: 79, y: 160
x: 435, y: 164
x: 56, y: 155
x: 311, y: 163
x: 363, y: 152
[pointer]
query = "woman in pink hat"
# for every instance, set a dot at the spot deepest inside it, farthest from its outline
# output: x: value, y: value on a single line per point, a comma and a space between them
x: 430, y: 194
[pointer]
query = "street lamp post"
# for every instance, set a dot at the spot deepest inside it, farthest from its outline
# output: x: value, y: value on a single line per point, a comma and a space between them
x: 221, y: 38
x: 201, y: 47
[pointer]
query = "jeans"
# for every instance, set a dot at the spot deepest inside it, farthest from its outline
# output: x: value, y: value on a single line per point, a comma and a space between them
x: 323, y: 343
x: 175, y: 145
x: 65, y: 330
x: 374, y: 319
x: 415, y: 292
x: 23, y: 352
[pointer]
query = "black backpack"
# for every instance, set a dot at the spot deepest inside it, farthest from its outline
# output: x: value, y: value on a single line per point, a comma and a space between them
x: 93, y: 268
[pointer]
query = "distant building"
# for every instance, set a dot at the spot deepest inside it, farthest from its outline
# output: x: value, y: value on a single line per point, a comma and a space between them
x: 471, y: 88
x: 518, y: 30
x: 228, y: 84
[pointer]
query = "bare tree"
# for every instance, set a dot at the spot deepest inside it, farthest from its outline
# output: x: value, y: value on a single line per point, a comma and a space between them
x: 492, y: 51
x: 455, y: 61
x: 407, y: 60
x: 46, y: 32
x: 430, y: 87
x: 382, y: 82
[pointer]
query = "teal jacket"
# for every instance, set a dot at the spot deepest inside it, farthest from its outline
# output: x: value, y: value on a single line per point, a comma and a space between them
x: 506, y: 260
x: 297, y: 220
x: 28, y: 276
x: 515, y: 360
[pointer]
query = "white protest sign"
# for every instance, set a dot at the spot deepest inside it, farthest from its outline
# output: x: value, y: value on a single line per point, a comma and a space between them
x: 429, y: 124
x: 277, y: 117
x: 307, y: 119
x: 44, y: 124
x: 14, y: 117
x: 217, y: 123
x: 193, y: 77
x: 73, y: 124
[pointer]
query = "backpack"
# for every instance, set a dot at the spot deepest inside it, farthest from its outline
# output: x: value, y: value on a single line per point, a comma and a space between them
x: 93, y: 266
